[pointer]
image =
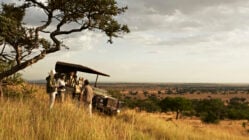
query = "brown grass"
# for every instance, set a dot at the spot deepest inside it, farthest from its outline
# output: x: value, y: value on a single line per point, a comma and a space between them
x: 31, y: 119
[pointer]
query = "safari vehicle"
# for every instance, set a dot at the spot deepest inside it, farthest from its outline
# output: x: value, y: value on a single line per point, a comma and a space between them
x: 106, y: 104
x: 101, y: 100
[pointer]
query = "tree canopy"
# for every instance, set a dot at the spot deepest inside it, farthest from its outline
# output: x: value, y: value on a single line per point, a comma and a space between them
x: 177, y: 104
x: 23, y: 45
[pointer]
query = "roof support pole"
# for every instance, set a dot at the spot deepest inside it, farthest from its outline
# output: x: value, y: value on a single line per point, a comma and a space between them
x: 95, y: 85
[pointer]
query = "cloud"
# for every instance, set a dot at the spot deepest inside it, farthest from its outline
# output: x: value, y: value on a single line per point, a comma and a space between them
x: 85, y: 40
x: 34, y: 17
x: 178, y: 23
x: 154, y: 52
x: 177, y: 15
x: 166, y: 36
x: 169, y: 6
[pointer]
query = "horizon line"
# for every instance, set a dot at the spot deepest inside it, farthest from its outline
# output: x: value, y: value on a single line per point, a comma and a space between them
x: 129, y: 82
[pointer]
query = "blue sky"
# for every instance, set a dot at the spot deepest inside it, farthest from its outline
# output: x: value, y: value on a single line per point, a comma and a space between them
x: 170, y: 41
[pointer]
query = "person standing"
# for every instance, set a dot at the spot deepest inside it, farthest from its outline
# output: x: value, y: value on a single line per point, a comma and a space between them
x: 87, y: 96
x: 51, y: 87
x: 78, y: 88
x: 70, y: 83
x: 62, y: 87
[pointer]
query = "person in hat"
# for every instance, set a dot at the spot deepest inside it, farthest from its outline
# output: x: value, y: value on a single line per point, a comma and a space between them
x: 87, y: 96
x: 51, y: 87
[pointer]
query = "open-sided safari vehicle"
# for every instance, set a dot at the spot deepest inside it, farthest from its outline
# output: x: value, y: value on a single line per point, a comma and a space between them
x: 101, y: 100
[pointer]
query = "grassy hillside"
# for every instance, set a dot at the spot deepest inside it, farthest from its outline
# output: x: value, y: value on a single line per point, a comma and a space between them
x: 30, y: 118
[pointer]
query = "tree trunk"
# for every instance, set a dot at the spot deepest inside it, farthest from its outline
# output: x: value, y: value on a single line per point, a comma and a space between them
x: 1, y: 90
x: 177, y: 114
x: 23, y: 65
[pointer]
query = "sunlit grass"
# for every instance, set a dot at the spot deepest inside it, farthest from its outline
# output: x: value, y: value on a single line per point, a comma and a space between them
x: 31, y: 118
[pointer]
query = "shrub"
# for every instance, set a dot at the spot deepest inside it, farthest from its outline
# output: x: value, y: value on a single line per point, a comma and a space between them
x: 177, y: 104
x: 210, y: 117
x: 210, y: 110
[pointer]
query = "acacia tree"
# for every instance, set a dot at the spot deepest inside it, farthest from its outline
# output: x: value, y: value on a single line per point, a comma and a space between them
x: 177, y: 104
x: 23, y: 45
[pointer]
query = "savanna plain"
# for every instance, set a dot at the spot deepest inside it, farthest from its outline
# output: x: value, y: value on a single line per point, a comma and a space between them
x: 24, y: 114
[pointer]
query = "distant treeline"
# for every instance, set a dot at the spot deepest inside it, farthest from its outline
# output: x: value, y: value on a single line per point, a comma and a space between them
x: 177, y: 88
x: 209, y: 110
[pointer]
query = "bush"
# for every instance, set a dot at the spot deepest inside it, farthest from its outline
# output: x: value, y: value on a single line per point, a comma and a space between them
x: 20, y: 91
x: 177, y: 104
x: 210, y: 110
x: 238, y: 109
x: 150, y: 105
x: 210, y: 117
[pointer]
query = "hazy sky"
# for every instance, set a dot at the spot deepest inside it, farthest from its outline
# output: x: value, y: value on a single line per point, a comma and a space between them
x: 170, y: 41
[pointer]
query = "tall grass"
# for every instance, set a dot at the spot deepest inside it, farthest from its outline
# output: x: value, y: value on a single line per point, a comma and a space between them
x: 32, y: 119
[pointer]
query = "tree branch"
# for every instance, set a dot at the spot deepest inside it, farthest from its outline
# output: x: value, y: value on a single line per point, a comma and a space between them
x: 92, y: 15
x: 49, y: 14
x: 22, y: 65
x: 41, y: 5
x: 73, y: 30
x: 4, y: 45
x: 7, y: 57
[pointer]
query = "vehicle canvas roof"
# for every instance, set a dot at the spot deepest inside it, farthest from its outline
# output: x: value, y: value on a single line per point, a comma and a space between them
x: 65, y: 67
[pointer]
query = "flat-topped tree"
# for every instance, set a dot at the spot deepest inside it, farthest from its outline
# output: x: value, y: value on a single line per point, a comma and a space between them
x: 23, y: 45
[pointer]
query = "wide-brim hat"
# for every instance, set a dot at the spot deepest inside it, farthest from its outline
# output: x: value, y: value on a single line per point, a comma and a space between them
x: 52, y: 72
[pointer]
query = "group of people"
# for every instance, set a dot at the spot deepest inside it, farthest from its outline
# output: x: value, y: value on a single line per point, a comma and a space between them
x: 57, y: 86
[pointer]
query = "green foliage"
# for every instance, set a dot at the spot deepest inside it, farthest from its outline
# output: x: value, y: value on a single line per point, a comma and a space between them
x: 99, y: 12
x: 11, y: 29
x: 19, y: 41
x: 150, y: 104
x: 210, y: 117
x: 3, y: 66
x: 213, y: 110
x: 177, y: 104
x: 15, y: 13
x: 238, y: 109
x: 115, y: 94
x: 237, y: 101
x: 13, y: 79
x: 210, y: 110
